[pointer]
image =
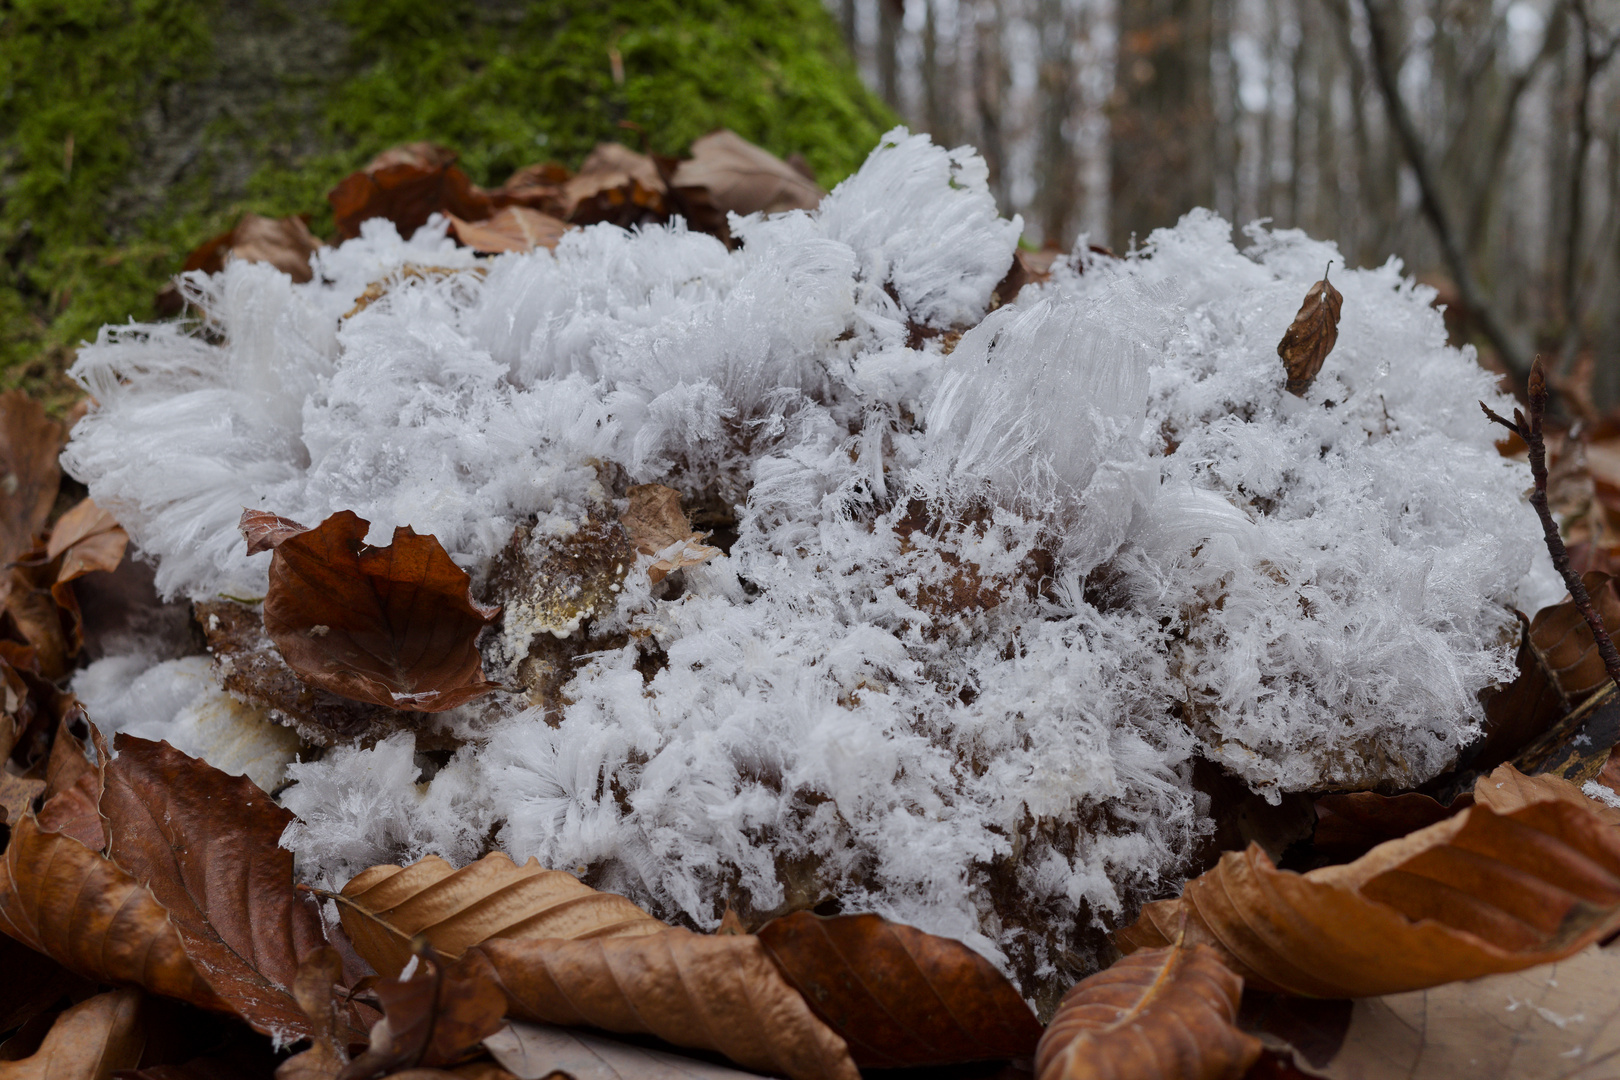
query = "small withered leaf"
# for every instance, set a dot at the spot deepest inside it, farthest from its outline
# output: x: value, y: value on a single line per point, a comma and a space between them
x: 406, y: 185
x: 89, y: 1041
x: 385, y: 907
x: 898, y: 996
x: 432, y: 1016
x: 29, y: 474
x: 655, y: 523
x: 615, y: 184
x: 1311, y: 336
x: 1159, y: 1014
x: 395, y: 626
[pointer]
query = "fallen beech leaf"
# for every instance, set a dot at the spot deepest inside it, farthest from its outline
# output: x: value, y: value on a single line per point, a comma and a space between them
x: 431, y: 1017
x: 710, y: 993
x: 396, y: 626
x: 207, y: 846
x: 34, y: 705
x: 1028, y: 268
x: 1506, y: 789
x: 515, y: 228
x: 387, y: 906
x: 897, y: 996
x: 539, y: 1051
x: 727, y: 173
x: 86, y: 539
x: 29, y: 474
x: 615, y: 184
x: 655, y: 524
x: 73, y: 783
x: 1167, y: 1013
x: 252, y: 669
x: 1311, y: 336
x: 314, y: 988
x: 538, y: 187
x: 35, y: 615
x: 89, y: 1041
x: 1475, y: 894
x: 1350, y: 824
x: 1558, y: 666
x: 285, y: 243
x: 77, y: 907
x: 1554, y: 1022
x: 407, y: 185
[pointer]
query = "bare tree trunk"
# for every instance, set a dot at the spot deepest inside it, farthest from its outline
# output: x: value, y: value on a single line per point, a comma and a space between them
x: 1163, y: 125
x: 1056, y: 193
x: 990, y: 76
x: 890, y: 14
x: 933, y: 100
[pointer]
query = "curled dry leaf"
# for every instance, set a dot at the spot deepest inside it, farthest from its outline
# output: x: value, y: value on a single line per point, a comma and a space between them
x: 1160, y: 1014
x: 515, y: 228
x: 1558, y: 666
x: 1472, y: 895
x: 1311, y: 336
x: 407, y: 185
x: 253, y: 670
x: 897, y: 996
x: 86, y: 539
x: 1506, y: 789
x: 29, y: 473
x: 396, y: 626
x: 540, y: 1051
x: 656, y: 524
x: 89, y: 1041
x: 207, y: 846
x: 709, y: 993
x: 431, y: 1017
x: 386, y: 907
x: 77, y: 907
x: 538, y: 187
x: 615, y: 184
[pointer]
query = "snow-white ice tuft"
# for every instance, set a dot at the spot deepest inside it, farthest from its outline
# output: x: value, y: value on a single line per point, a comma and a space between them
x: 986, y: 604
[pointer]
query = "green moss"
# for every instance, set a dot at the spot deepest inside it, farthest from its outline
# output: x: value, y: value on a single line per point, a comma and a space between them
x: 184, y: 113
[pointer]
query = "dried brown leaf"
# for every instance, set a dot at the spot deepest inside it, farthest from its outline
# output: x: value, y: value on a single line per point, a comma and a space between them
x: 727, y: 173
x: 1506, y: 789
x: 515, y: 228
x: 1160, y: 1014
x: 615, y: 184
x: 710, y: 993
x: 538, y: 187
x: 77, y: 907
x: 432, y: 1017
x: 387, y: 906
x: 1311, y: 336
x: 655, y: 523
x: 407, y: 185
x: 396, y: 626
x: 73, y: 783
x: 207, y: 846
x: 252, y: 669
x: 29, y: 474
x: 89, y: 1041
x: 1475, y: 894
x: 86, y: 539
x: 36, y: 618
x: 539, y: 1051
x: 897, y: 996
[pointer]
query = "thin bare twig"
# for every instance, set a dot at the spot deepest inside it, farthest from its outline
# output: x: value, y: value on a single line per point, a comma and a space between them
x: 1530, y: 431
x: 1434, y: 209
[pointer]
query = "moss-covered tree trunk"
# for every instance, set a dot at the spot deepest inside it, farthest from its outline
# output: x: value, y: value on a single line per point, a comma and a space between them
x: 130, y: 130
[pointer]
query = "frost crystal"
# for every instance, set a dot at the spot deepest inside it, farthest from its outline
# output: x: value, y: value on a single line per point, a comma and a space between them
x: 984, y: 605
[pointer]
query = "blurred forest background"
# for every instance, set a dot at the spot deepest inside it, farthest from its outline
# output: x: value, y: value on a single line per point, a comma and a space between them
x: 1476, y: 140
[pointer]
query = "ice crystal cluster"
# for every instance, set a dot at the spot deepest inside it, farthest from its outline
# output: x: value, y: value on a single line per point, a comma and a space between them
x: 1000, y: 574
